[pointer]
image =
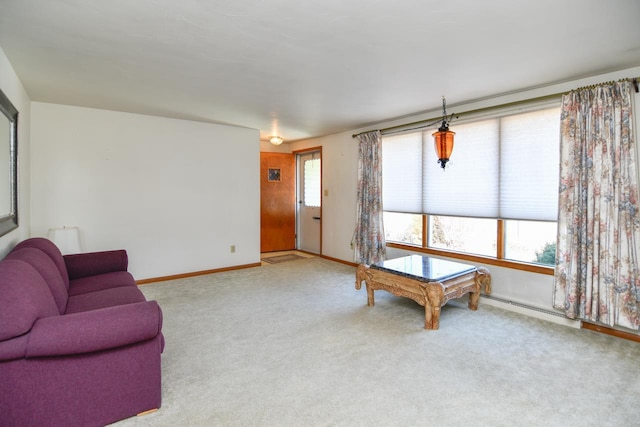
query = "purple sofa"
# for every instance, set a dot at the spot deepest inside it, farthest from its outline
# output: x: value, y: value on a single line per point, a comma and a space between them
x: 79, y: 343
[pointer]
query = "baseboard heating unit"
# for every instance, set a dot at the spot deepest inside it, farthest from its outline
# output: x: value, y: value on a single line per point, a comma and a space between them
x: 539, y: 313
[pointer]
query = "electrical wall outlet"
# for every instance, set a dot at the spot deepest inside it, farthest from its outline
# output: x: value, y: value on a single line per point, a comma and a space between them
x: 233, y: 249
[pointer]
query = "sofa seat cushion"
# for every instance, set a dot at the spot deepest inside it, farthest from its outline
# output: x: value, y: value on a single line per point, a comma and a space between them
x: 47, y: 269
x: 101, y: 282
x: 104, y: 298
x: 25, y: 298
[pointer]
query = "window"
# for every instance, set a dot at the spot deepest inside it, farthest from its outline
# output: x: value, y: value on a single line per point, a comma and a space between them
x: 472, y: 235
x: 530, y: 241
x: 497, y: 197
x: 401, y: 227
x: 524, y: 241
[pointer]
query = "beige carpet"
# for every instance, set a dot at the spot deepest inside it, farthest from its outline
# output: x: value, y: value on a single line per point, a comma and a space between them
x: 294, y: 344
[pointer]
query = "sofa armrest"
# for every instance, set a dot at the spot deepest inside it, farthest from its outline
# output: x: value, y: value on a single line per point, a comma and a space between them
x: 95, y: 330
x: 92, y: 263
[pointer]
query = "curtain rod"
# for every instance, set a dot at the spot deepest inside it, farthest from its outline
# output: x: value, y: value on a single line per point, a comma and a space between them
x: 427, y: 122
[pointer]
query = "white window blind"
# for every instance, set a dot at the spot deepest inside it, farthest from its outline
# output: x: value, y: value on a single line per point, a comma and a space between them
x: 469, y: 184
x: 503, y: 167
x: 529, y: 165
x: 402, y: 173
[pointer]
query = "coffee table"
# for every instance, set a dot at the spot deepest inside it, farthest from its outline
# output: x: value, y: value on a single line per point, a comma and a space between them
x: 431, y: 282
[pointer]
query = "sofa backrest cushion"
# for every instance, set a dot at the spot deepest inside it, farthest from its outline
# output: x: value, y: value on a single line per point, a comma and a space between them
x: 49, y: 248
x: 48, y: 270
x: 24, y: 298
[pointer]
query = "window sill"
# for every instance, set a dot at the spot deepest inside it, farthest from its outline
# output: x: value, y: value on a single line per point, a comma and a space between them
x: 534, y: 268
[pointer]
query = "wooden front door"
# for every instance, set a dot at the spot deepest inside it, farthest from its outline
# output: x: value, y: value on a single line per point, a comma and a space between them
x: 277, y: 202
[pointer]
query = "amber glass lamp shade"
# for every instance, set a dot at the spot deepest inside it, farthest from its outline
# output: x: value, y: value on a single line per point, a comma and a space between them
x: 443, y: 142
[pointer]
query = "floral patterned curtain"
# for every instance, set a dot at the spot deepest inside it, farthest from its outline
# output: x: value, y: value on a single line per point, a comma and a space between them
x: 597, y: 274
x: 369, y: 243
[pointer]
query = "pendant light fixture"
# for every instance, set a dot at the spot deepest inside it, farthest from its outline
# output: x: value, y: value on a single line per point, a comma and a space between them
x: 443, y: 138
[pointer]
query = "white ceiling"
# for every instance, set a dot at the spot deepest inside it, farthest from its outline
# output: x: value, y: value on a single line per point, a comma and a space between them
x: 308, y: 67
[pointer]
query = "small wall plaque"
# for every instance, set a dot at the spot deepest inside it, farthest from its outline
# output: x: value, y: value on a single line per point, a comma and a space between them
x: 274, y: 175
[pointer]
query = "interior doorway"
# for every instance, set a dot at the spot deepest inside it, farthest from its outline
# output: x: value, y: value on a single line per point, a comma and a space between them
x: 309, y: 200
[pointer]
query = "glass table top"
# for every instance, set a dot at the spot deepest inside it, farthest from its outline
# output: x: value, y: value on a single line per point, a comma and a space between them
x: 424, y: 268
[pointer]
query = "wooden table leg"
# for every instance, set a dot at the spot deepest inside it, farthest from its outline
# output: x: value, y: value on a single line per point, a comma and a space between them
x: 482, y: 279
x: 361, y: 274
x: 431, y: 317
x: 473, y: 299
x: 370, y: 300
x: 433, y: 295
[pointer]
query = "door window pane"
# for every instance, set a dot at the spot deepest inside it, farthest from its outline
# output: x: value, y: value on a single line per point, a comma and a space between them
x: 312, y: 188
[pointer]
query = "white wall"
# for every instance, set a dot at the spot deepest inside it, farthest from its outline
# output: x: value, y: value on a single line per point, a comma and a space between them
x: 266, y: 146
x: 340, y: 154
x: 176, y: 194
x: 13, y: 89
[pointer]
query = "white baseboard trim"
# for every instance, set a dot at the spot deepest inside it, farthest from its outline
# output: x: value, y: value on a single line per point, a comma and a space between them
x: 538, y: 313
